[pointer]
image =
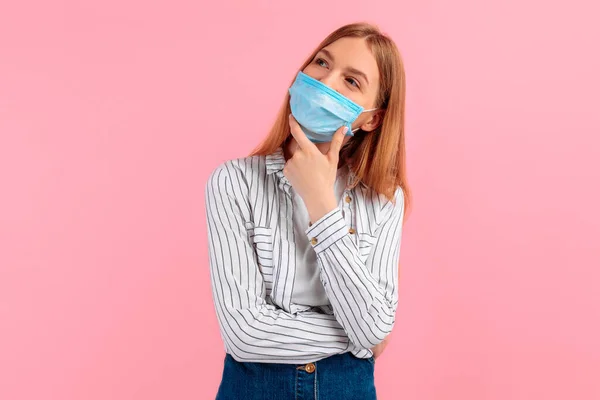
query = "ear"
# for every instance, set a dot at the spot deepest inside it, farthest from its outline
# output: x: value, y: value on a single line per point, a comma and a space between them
x: 374, y: 122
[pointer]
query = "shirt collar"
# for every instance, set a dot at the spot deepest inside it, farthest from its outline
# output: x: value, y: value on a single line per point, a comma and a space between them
x: 275, y: 161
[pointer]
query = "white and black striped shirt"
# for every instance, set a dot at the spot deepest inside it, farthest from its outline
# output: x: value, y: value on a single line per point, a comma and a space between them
x: 253, y: 263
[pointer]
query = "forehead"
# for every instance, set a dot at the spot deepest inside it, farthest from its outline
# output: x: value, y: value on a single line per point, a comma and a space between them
x: 354, y: 53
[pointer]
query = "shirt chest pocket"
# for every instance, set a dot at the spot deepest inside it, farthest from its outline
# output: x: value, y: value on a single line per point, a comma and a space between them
x: 262, y: 242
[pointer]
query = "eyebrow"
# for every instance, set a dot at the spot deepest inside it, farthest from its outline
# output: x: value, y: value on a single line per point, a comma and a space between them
x: 350, y: 69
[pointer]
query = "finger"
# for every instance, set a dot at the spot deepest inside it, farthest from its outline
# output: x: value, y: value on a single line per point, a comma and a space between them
x: 303, y: 141
x: 337, y: 141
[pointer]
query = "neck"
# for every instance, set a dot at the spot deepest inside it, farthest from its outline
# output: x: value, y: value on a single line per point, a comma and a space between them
x: 290, y: 146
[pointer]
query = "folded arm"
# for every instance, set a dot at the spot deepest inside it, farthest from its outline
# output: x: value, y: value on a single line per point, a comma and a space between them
x: 252, y: 329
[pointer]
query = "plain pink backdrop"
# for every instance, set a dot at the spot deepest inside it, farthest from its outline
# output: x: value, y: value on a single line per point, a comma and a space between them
x: 113, y: 113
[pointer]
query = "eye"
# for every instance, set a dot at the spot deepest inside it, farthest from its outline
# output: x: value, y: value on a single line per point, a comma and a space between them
x: 352, y: 82
x: 321, y: 62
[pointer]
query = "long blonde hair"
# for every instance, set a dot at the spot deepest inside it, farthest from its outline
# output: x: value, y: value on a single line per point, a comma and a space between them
x: 377, y: 158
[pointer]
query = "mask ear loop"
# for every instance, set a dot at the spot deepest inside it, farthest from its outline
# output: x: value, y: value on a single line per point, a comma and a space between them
x: 363, y: 111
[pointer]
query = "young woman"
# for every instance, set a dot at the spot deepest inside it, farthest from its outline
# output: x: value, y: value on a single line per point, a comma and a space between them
x: 304, y: 233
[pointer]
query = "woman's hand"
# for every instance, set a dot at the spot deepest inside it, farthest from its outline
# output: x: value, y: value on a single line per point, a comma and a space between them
x: 378, y: 349
x: 311, y: 173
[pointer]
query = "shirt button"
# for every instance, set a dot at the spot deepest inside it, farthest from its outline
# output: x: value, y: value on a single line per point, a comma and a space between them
x: 310, y: 368
x: 314, y: 241
x: 348, y: 199
x: 351, y: 231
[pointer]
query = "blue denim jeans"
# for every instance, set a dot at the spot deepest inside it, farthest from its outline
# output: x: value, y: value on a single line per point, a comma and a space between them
x: 338, y: 377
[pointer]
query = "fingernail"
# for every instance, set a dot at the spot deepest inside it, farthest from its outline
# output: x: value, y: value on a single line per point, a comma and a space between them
x: 345, y: 130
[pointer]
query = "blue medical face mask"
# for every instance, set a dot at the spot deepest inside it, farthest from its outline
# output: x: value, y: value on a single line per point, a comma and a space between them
x: 320, y: 110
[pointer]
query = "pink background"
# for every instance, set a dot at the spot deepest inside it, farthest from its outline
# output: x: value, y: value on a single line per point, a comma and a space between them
x: 112, y: 115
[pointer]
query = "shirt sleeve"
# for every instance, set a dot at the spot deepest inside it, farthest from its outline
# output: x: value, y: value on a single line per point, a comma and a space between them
x: 252, y: 329
x: 363, y: 295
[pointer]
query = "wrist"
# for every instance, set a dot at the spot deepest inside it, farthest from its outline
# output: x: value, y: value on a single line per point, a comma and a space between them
x: 320, y: 206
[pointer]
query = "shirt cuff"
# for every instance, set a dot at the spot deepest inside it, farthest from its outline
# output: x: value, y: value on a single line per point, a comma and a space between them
x: 327, y: 230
